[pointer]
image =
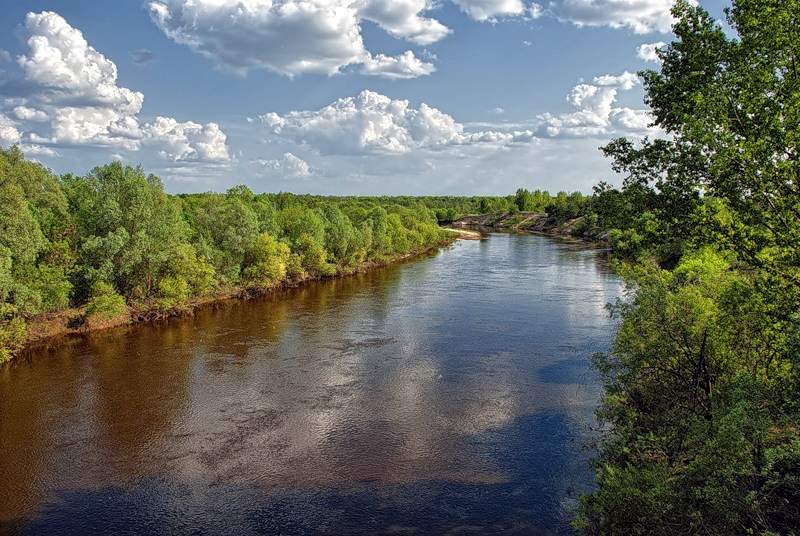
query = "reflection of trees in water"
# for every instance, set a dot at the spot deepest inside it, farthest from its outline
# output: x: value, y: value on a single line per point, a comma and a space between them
x: 139, y: 386
x: 26, y: 415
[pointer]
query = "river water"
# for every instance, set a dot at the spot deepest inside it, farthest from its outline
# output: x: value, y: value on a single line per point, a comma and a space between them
x: 451, y: 394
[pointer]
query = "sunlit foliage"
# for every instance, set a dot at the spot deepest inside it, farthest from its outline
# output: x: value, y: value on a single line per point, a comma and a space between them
x: 114, y: 239
x: 703, y: 382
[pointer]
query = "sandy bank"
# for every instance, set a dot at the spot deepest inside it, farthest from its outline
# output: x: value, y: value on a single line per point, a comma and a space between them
x: 465, y: 234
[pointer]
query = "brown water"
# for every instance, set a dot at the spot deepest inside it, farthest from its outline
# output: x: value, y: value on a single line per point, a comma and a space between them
x: 450, y: 394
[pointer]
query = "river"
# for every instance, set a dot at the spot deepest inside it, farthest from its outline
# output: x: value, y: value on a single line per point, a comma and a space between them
x: 451, y: 394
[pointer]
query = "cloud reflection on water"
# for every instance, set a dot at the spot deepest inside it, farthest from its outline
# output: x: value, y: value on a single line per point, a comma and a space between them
x: 467, y: 371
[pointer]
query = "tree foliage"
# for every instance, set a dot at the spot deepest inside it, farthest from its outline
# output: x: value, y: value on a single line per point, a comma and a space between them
x: 114, y: 239
x: 702, y: 383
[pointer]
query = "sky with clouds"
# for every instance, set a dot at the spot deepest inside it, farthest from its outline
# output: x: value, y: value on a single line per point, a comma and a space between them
x: 332, y: 96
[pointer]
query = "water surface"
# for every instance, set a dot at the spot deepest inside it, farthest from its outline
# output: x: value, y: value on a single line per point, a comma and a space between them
x: 448, y: 395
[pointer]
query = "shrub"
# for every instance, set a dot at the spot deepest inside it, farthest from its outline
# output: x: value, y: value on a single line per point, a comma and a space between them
x: 266, y: 261
x: 53, y: 287
x: 12, y: 332
x: 294, y: 267
x: 174, y: 292
x: 105, y: 302
x: 313, y: 256
x: 193, y: 269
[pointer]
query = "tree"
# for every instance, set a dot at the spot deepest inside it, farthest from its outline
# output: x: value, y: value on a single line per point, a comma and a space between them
x: 129, y: 228
x: 223, y: 228
x: 702, y: 383
x: 105, y: 303
x: 523, y: 200
x: 733, y: 107
x: 691, y: 393
x: 33, y: 212
x: 266, y: 261
x: 114, y: 239
x: 340, y: 235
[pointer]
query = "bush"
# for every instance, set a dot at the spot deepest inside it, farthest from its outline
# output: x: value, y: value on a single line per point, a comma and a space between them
x: 294, y: 267
x: 53, y: 287
x: 193, y: 269
x: 173, y: 291
x: 266, y: 261
x: 12, y: 332
x: 313, y: 256
x: 698, y: 406
x: 105, y: 302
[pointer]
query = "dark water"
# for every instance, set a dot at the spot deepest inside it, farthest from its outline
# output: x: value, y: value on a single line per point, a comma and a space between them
x: 448, y: 395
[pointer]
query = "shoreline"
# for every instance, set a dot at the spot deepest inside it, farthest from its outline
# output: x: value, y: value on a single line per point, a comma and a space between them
x: 525, y: 222
x: 466, y: 234
x: 48, y: 330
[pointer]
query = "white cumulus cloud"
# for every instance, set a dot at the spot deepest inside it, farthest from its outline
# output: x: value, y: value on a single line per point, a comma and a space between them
x: 640, y: 16
x: 37, y: 150
x: 67, y: 70
x: 405, y: 65
x: 625, y: 81
x: 371, y: 123
x: 288, y: 165
x: 94, y: 125
x: 630, y: 119
x: 596, y: 113
x: 647, y: 51
x: 483, y: 10
x: 24, y: 113
x: 8, y: 131
x: 74, y: 99
x: 188, y: 141
x: 402, y: 19
x: 292, y: 37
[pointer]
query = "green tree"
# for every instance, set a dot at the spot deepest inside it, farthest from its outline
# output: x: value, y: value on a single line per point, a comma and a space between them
x: 702, y: 384
x: 104, y: 302
x: 223, y: 227
x: 523, y: 200
x: 266, y: 262
x: 33, y: 211
x: 340, y: 235
x: 114, y: 239
x: 128, y: 228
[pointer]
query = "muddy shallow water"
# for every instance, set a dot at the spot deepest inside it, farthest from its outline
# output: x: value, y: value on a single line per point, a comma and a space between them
x: 447, y: 395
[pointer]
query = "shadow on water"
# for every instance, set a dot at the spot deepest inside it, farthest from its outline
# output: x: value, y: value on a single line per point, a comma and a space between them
x: 530, y: 499
x: 568, y: 371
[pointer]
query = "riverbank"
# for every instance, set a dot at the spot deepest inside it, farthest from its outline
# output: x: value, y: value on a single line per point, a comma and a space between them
x: 53, y: 328
x: 466, y: 234
x: 530, y: 222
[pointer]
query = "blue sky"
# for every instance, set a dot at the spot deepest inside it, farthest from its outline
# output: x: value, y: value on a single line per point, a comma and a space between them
x: 331, y: 96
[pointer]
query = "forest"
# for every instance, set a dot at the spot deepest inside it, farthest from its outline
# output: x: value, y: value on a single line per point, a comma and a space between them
x: 114, y: 240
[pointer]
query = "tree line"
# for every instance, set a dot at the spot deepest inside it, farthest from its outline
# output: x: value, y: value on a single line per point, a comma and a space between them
x: 114, y: 239
x: 447, y: 208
